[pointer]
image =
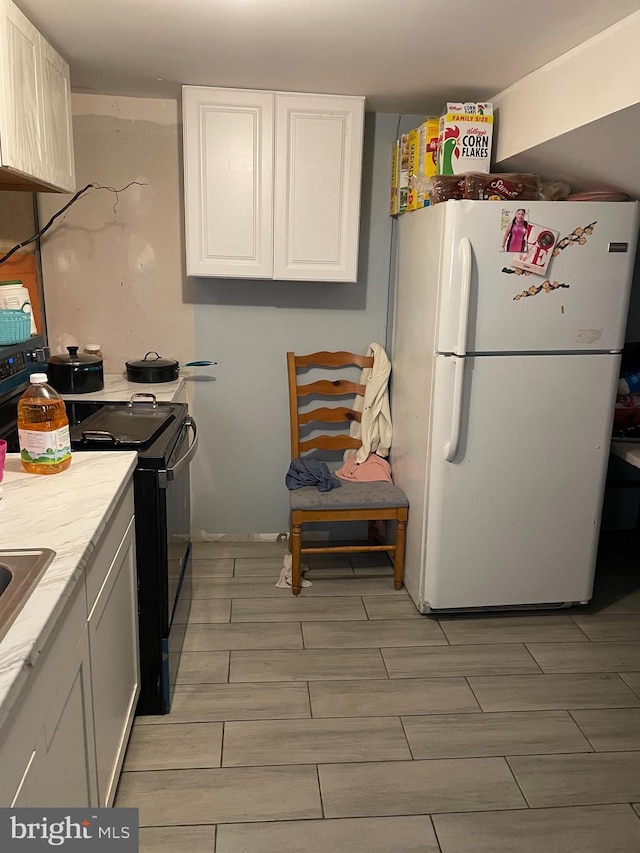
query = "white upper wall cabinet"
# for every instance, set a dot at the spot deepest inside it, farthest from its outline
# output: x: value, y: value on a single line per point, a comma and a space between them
x: 318, y: 145
x: 20, y: 93
x: 36, y: 144
x: 272, y: 184
x: 56, y: 119
x: 228, y: 161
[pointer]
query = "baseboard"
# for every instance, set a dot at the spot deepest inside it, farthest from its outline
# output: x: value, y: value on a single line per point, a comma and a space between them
x: 204, y: 536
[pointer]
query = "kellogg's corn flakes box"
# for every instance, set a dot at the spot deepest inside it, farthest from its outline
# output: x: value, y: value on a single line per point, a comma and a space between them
x: 464, y: 138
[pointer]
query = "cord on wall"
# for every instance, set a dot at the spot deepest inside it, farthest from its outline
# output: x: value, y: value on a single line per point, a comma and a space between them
x: 62, y: 210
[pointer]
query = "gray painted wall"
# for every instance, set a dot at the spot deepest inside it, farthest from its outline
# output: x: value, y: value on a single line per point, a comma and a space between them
x: 248, y: 326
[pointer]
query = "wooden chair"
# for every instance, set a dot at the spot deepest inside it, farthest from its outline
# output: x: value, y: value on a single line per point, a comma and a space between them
x: 353, y: 501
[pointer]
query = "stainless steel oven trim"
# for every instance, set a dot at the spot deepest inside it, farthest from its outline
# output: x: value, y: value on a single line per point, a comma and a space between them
x: 167, y: 474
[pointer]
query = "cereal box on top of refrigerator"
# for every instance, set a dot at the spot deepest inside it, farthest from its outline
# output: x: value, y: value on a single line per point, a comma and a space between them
x: 464, y: 138
x: 403, y: 185
x: 414, y: 159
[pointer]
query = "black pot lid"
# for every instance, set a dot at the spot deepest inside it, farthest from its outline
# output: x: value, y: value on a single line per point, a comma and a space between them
x: 74, y: 357
x: 153, y: 359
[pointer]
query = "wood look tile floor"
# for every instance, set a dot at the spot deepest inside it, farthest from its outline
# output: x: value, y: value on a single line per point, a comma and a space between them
x: 345, y: 722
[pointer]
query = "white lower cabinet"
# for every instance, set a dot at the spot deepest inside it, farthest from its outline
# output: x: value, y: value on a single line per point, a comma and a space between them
x: 64, y: 741
x: 61, y: 771
x: 113, y: 640
x: 272, y: 184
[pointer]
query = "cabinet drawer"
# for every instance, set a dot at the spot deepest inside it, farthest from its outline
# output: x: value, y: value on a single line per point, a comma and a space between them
x: 107, y: 548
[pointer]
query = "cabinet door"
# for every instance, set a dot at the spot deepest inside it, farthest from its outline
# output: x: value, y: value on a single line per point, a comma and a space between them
x: 113, y: 638
x: 20, y: 93
x: 20, y: 800
x: 56, y: 119
x: 61, y: 771
x: 317, y: 199
x: 228, y: 158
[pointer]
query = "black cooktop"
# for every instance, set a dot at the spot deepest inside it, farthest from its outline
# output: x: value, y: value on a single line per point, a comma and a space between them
x: 152, y: 431
x: 126, y: 426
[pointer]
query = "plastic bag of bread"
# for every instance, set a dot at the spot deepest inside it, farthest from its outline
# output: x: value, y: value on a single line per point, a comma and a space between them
x: 445, y: 187
x: 508, y: 186
x: 554, y: 190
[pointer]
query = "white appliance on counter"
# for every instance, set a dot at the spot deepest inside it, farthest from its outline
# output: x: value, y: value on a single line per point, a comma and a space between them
x: 502, y: 396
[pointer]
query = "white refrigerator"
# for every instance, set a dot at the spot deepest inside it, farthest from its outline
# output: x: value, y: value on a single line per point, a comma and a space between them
x: 505, y: 368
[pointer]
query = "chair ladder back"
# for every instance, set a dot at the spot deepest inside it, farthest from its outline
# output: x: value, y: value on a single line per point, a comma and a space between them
x: 323, y: 388
x: 330, y: 388
x: 333, y: 359
x: 330, y: 442
x: 329, y: 415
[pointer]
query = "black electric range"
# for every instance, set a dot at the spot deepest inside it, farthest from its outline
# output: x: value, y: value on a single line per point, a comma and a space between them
x: 161, y: 483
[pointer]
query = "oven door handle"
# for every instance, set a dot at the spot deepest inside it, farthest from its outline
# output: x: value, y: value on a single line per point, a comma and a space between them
x: 171, y: 473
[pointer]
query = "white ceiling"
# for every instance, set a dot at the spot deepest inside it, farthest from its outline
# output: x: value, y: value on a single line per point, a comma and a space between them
x: 407, y: 56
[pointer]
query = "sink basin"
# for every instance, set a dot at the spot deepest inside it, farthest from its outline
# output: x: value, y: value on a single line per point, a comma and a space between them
x: 20, y: 571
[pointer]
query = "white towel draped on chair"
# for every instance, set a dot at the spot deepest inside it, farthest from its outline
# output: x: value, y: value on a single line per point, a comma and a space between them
x: 375, y: 429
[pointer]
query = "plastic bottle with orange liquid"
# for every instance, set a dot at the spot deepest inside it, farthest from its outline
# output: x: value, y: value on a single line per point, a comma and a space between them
x: 43, y: 428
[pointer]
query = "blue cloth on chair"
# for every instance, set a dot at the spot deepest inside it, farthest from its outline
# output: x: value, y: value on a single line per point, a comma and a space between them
x: 310, y: 472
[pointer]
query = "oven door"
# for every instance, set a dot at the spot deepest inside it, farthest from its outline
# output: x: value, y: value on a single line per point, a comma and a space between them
x: 9, y: 420
x: 175, y: 481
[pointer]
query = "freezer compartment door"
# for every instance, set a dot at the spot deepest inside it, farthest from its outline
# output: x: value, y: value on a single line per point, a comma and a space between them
x: 513, y: 518
x: 488, y: 305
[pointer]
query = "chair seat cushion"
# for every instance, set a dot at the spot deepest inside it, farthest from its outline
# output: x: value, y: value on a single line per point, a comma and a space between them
x: 350, y: 495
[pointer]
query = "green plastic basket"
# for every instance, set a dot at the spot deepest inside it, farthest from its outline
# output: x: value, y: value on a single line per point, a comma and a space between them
x: 15, y: 326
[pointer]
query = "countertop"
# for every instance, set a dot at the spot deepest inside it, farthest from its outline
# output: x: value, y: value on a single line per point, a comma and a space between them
x: 66, y: 512
x: 627, y: 450
x: 117, y: 388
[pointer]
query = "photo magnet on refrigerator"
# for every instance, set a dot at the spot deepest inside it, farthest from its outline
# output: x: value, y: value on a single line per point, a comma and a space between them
x: 540, y: 243
x: 514, y: 226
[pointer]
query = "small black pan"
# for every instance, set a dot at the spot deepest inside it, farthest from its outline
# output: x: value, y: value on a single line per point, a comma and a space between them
x: 154, y: 368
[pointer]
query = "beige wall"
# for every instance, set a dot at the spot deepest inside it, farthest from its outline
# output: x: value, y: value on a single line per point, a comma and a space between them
x: 113, y: 267
x: 16, y: 219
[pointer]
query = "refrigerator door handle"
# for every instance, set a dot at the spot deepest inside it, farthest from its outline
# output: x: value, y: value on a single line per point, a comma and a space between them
x: 451, y: 447
x: 464, y: 250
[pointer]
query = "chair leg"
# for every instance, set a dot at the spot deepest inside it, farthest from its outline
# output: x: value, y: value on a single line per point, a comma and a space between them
x: 398, y: 560
x: 296, y: 556
x: 372, y: 533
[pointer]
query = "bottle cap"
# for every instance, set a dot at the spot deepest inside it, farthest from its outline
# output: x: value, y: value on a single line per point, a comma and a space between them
x: 38, y: 378
x: 92, y: 347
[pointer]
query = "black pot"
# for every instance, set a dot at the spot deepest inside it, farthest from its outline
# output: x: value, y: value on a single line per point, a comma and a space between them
x: 75, y: 373
x: 157, y: 369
